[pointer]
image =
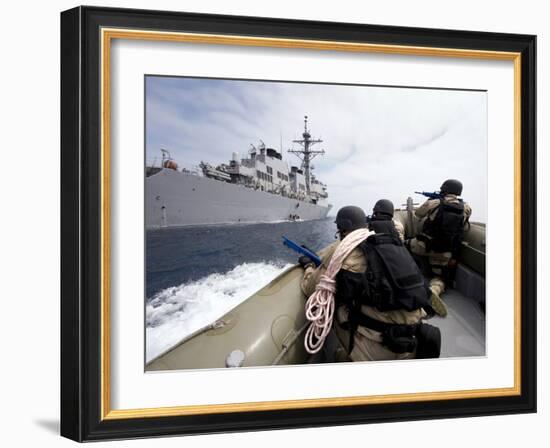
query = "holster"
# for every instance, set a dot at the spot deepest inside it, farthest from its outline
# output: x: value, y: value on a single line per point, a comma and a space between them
x: 429, y: 341
x: 426, y: 239
x: 400, y: 338
x: 423, y: 338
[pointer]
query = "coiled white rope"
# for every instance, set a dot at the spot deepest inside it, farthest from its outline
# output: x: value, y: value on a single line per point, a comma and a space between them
x: 320, y: 305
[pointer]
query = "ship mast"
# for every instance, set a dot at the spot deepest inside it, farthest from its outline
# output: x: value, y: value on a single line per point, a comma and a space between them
x: 306, y: 154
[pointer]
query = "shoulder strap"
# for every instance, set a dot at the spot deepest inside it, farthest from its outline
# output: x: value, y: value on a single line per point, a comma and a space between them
x: 454, y: 207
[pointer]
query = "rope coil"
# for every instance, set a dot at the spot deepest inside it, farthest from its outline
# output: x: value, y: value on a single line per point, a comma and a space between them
x: 320, y: 305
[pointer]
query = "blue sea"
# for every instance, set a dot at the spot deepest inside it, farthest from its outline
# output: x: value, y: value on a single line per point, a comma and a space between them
x: 194, y: 275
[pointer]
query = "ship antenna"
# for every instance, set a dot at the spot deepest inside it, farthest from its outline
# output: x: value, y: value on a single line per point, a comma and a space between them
x: 165, y: 156
x: 306, y: 155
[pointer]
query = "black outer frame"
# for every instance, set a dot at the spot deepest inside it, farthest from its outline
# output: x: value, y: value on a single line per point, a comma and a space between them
x: 80, y: 223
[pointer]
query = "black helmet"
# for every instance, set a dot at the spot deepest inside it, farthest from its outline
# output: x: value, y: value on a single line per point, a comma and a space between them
x: 383, y: 207
x: 350, y: 218
x: 451, y: 186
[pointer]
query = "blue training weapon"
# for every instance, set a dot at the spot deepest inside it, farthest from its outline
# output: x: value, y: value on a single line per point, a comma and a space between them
x: 302, y: 250
x: 434, y: 195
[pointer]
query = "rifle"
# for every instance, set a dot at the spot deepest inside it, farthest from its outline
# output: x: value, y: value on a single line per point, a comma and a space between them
x: 302, y: 250
x: 433, y: 195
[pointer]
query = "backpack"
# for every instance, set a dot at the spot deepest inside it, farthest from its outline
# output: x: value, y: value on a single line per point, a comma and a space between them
x: 392, y: 280
x: 445, y: 232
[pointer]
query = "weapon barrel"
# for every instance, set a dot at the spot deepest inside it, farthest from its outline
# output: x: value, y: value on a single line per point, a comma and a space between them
x: 302, y: 250
x: 428, y: 194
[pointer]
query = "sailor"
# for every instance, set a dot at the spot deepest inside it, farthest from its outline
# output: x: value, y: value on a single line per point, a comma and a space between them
x: 440, y: 239
x: 374, y: 320
x: 382, y: 220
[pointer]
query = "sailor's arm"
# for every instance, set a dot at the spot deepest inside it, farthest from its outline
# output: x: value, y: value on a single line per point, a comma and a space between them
x: 425, y: 209
x: 311, y: 278
x: 400, y: 229
x: 354, y: 262
x: 313, y: 274
x: 467, y: 211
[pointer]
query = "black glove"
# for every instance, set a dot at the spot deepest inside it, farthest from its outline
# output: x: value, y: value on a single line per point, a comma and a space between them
x: 304, y: 261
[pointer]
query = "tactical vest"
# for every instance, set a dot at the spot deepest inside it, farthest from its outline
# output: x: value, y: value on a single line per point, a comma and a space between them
x: 445, y: 232
x: 383, y: 224
x: 392, y: 280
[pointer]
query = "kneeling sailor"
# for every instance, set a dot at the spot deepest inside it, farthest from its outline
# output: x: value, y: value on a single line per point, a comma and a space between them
x: 441, y: 237
x: 379, y: 293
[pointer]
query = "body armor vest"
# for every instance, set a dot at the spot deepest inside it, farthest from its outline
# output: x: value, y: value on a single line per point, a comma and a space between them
x: 392, y: 280
x: 445, y: 232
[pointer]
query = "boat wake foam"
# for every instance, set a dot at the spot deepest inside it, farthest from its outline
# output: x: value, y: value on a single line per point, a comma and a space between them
x: 179, y: 311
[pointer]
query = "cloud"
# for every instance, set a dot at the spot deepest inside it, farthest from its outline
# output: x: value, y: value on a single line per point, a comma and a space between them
x: 379, y: 142
x: 432, y: 138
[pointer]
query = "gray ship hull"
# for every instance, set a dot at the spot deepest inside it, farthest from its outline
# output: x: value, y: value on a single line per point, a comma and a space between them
x: 174, y: 198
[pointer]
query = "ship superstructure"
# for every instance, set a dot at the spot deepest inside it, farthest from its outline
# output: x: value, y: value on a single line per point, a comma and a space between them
x: 258, y: 188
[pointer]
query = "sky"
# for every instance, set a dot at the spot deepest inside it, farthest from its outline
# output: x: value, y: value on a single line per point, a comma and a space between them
x: 379, y: 142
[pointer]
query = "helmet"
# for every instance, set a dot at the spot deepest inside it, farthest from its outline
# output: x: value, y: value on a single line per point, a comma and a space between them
x: 384, y: 207
x: 350, y: 218
x: 451, y: 186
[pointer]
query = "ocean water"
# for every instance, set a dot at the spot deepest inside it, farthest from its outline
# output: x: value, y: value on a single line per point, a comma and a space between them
x: 194, y: 275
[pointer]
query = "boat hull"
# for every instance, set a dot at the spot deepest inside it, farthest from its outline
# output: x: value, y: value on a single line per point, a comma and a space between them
x: 268, y: 328
x: 175, y: 198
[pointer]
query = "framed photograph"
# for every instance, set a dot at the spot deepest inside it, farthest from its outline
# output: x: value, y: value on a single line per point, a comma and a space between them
x: 274, y: 223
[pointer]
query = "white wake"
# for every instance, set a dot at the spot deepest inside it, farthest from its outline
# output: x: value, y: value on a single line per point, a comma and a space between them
x: 179, y: 311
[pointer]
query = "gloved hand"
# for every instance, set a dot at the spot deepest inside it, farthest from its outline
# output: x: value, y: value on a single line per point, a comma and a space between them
x: 305, y: 261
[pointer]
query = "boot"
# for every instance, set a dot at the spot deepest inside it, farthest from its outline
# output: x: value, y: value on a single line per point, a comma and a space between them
x: 438, y: 305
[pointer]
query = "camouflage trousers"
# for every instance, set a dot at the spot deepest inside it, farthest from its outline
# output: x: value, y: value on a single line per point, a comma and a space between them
x: 367, y: 343
x: 436, y: 261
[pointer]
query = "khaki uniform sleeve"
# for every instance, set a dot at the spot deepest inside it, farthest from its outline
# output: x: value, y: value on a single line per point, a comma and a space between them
x: 355, y: 261
x: 311, y: 278
x: 425, y: 209
x: 400, y: 229
x: 312, y: 274
x: 467, y: 211
x: 326, y: 253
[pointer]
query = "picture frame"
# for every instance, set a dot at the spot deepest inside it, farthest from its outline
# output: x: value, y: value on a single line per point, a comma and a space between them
x: 86, y: 209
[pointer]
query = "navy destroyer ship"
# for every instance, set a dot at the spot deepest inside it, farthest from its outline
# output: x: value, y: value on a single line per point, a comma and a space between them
x: 259, y: 188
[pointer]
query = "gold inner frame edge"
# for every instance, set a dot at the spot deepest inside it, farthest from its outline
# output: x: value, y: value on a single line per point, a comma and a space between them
x: 107, y: 34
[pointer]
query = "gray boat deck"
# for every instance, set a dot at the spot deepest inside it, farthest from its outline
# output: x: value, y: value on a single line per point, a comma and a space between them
x: 463, y: 330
